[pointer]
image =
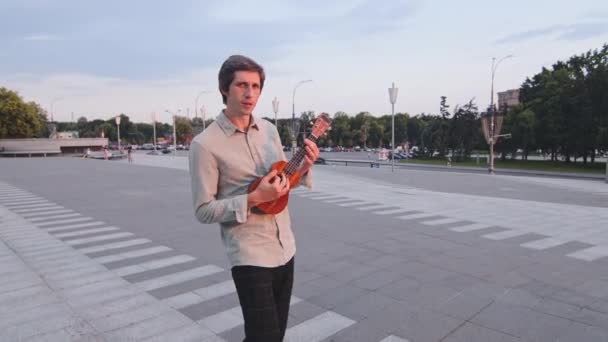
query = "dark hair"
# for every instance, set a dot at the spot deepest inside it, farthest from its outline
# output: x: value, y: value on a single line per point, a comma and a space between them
x: 236, y: 63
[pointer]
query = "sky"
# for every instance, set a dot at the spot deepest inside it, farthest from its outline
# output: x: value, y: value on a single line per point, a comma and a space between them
x: 102, y: 58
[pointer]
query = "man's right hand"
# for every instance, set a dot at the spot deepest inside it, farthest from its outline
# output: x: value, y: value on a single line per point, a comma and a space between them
x: 271, y: 187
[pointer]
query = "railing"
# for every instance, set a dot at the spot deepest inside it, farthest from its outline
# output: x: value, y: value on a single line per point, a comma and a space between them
x: 28, y: 153
x: 481, y: 170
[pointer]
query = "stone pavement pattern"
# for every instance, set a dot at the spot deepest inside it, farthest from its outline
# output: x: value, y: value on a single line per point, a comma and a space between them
x: 71, y: 276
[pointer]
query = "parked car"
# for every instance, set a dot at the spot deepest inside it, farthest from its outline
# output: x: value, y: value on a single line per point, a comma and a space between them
x: 321, y: 161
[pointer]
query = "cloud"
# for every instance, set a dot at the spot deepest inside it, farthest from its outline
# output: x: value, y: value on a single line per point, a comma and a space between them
x: 584, y: 31
x: 530, y: 34
x: 574, y: 32
x: 43, y: 37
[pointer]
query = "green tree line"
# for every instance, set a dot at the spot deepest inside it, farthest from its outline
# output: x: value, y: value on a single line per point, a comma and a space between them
x: 563, y: 111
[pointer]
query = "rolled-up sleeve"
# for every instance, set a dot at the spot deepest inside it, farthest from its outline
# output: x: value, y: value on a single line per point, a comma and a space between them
x: 204, y: 174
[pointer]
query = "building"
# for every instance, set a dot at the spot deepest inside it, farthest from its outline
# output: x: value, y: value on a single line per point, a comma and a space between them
x: 49, y: 147
x: 508, y: 98
x: 65, y: 135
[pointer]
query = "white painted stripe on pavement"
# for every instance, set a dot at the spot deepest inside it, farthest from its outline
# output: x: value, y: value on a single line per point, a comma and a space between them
x: 507, y: 234
x: 229, y: 319
x: 85, y: 232
x: 393, y: 338
x: 416, y: 216
x: 133, y: 254
x: 31, y: 209
x: 343, y: 199
x: 311, y: 193
x: 25, y: 202
x: 318, y: 328
x: 392, y: 211
x: 8, y: 199
x: 152, y: 265
x: 98, y: 238
x: 441, y: 221
x: 53, y: 217
x: 178, y: 277
x: 544, y: 243
x: 354, y: 204
x: 323, y: 197
x: 27, y: 215
x: 470, y: 227
x: 75, y: 226
x: 191, y: 333
x: 113, y: 245
x: 201, y: 295
x: 376, y: 207
x: 73, y: 220
x: 591, y: 253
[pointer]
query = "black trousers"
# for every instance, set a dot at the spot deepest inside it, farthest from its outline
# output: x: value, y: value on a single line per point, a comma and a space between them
x: 264, y: 294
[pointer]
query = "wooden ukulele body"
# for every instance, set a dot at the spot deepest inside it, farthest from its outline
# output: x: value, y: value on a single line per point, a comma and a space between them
x: 289, y: 169
x: 278, y: 205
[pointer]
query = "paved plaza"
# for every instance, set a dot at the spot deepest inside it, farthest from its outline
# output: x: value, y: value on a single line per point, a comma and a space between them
x: 94, y: 250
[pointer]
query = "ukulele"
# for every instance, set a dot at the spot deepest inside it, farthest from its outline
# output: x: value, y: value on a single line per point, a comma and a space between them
x: 290, y: 169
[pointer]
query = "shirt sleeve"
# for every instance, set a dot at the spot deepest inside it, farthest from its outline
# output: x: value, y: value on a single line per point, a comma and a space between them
x: 204, y: 175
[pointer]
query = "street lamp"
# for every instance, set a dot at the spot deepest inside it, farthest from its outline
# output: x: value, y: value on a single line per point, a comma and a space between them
x: 154, y: 129
x: 204, y: 115
x: 117, y: 119
x: 492, y: 133
x: 174, y: 132
x: 196, y: 102
x: 53, y: 104
x: 293, y: 116
x: 392, y: 95
x: 275, y: 108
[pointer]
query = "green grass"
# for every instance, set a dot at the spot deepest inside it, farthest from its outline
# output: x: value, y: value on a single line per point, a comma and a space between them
x: 539, y: 165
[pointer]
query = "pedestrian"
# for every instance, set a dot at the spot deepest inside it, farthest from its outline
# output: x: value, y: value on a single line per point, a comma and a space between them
x: 105, y: 153
x: 236, y: 149
x: 130, y: 154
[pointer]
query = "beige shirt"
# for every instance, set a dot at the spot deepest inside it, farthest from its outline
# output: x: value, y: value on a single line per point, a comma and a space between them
x: 224, y: 161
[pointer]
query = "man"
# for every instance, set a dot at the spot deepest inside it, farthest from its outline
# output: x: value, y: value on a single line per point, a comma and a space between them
x: 225, y: 159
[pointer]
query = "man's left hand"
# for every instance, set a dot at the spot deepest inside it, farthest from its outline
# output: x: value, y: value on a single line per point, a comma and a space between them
x: 311, y: 154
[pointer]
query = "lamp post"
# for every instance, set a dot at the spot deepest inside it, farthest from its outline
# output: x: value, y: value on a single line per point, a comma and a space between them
x: 275, y: 108
x: 293, y: 116
x: 52, y: 105
x: 154, y: 129
x: 174, y: 132
x: 117, y: 119
x: 204, y: 115
x: 392, y: 95
x: 492, y: 114
x: 196, y: 102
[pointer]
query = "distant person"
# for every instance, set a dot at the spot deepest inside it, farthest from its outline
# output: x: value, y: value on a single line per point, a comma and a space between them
x: 130, y: 154
x: 105, y: 153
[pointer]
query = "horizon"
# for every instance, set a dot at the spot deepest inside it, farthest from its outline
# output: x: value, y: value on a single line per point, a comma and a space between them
x: 105, y: 59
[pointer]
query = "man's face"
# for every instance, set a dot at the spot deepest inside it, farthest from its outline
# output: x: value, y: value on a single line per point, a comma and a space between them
x: 243, y: 93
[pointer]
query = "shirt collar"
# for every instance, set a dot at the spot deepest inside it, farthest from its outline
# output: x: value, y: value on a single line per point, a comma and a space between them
x: 228, y: 127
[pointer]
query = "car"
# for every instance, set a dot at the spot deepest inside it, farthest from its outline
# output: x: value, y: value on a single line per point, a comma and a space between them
x: 321, y: 161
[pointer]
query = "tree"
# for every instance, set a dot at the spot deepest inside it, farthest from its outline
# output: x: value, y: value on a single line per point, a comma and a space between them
x: 17, y: 118
x: 340, y: 129
x: 464, y: 130
x: 183, y: 130
x: 444, y: 108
